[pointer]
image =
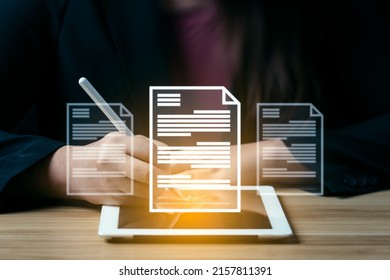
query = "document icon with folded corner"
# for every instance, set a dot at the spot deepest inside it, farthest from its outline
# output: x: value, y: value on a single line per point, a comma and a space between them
x: 298, y: 164
x: 200, y: 127
x: 86, y: 123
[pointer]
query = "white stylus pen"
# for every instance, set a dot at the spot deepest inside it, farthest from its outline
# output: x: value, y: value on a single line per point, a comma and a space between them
x: 110, y: 114
x: 103, y: 105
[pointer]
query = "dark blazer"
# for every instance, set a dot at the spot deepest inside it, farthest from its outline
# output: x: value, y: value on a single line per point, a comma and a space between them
x: 47, y: 45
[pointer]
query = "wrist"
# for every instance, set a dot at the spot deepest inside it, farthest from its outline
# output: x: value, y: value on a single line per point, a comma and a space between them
x: 53, y: 173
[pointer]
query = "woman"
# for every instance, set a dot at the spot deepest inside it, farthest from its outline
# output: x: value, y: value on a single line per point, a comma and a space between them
x: 262, y: 51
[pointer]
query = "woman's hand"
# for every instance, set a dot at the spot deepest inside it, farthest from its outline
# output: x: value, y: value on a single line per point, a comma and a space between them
x: 249, y: 156
x: 130, y: 163
x: 248, y: 167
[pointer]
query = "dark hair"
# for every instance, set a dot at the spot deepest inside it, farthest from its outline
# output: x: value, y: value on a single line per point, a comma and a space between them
x: 272, y: 66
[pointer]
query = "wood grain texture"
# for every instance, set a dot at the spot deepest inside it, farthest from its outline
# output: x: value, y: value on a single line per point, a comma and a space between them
x: 325, y: 228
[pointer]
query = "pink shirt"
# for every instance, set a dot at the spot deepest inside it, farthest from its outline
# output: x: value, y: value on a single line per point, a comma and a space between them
x: 206, y: 58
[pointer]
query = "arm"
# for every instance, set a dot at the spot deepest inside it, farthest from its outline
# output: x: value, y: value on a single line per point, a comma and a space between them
x: 33, y: 167
x: 18, y: 156
x: 24, y: 56
x: 356, y: 157
x: 355, y: 160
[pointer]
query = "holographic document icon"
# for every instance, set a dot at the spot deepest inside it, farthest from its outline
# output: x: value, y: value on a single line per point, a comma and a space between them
x: 86, y: 123
x: 298, y: 162
x: 200, y: 131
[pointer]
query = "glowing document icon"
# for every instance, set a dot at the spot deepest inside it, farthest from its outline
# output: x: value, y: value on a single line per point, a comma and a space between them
x: 201, y: 129
x: 299, y: 163
x: 87, y: 123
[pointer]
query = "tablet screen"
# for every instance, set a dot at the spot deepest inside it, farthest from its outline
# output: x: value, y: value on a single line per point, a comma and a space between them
x: 242, y: 220
x: 252, y: 217
x: 261, y: 216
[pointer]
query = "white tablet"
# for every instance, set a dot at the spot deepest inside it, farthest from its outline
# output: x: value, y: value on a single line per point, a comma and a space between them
x: 261, y: 216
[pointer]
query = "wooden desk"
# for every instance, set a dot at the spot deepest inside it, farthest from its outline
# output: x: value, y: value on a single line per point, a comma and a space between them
x: 325, y: 228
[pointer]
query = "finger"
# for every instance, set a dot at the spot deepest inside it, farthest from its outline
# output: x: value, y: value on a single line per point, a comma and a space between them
x: 157, y: 144
x: 178, y: 168
x: 141, y: 171
x: 143, y: 191
x: 138, y: 147
x: 198, y: 174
